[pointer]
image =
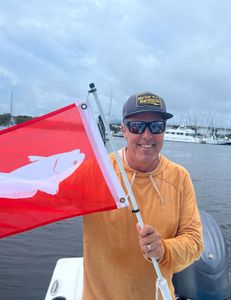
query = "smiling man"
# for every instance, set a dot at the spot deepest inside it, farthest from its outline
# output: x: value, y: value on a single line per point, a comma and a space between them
x: 143, y: 147
x: 117, y: 262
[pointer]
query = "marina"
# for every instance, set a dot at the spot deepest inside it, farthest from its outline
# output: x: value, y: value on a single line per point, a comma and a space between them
x: 177, y: 133
x: 189, y: 134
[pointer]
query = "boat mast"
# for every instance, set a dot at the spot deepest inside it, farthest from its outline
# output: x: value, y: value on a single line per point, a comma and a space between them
x: 11, y: 122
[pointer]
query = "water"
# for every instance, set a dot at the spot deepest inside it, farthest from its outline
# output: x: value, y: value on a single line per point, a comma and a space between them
x: 27, y: 260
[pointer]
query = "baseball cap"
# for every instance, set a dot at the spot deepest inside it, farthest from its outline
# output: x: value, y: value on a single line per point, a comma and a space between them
x: 145, y: 102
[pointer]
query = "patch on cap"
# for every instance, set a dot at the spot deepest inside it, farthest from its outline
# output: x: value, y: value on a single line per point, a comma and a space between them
x: 148, y: 100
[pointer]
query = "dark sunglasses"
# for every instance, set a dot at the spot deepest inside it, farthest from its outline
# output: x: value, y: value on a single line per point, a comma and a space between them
x: 138, y: 127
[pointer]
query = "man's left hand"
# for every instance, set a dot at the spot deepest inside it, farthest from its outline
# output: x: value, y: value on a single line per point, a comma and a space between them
x: 150, y: 242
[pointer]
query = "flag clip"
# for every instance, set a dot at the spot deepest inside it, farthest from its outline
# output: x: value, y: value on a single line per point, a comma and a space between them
x: 92, y: 88
x: 135, y: 210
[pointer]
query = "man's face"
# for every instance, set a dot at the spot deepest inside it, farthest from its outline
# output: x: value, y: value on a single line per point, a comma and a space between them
x: 143, y: 149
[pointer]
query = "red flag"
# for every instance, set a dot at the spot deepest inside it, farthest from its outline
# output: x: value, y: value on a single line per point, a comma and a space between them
x: 54, y: 167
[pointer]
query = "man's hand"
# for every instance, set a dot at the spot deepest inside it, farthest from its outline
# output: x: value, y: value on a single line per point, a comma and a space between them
x: 150, y: 242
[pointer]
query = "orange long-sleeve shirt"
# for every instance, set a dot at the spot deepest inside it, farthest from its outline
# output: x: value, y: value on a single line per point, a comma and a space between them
x: 114, y: 266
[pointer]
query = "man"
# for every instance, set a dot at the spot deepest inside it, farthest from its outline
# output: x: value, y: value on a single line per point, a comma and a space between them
x: 117, y: 262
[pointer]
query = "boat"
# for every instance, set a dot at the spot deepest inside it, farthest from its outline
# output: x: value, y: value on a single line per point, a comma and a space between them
x: 206, y: 279
x: 212, y: 140
x: 181, y: 134
x: 11, y: 121
x: 118, y: 134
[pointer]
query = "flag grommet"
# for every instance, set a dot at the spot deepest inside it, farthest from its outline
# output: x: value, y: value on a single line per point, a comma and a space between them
x: 84, y: 106
x: 122, y: 200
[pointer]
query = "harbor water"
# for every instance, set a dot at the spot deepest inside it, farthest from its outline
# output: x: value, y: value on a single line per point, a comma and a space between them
x: 27, y: 260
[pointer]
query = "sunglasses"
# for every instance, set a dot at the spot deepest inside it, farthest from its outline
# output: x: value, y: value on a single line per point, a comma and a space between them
x: 138, y: 127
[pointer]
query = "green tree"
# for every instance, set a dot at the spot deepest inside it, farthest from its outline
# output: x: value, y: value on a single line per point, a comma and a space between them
x: 20, y: 119
x: 4, y: 119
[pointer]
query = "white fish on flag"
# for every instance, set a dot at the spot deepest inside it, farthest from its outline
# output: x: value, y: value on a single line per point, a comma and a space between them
x: 41, y: 174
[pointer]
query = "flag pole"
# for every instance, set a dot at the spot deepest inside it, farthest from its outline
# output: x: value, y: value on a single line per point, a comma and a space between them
x: 161, y: 281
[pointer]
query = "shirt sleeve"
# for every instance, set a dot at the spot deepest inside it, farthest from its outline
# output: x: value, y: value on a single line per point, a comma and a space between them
x: 187, y: 245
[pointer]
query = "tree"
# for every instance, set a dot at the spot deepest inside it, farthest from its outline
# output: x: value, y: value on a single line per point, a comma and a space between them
x: 5, y: 119
x: 20, y: 119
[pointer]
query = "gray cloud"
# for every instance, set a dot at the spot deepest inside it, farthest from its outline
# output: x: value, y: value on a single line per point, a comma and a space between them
x: 51, y: 50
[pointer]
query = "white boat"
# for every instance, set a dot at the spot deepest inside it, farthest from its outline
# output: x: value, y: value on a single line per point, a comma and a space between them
x: 206, y: 279
x: 215, y: 141
x: 118, y: 134
x: 181, y: 134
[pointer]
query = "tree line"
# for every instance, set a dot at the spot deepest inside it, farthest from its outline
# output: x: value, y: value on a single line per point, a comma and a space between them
x: 6, y: 120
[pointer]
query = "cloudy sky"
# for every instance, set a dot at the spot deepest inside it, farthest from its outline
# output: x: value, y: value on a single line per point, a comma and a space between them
x: 181, y: 50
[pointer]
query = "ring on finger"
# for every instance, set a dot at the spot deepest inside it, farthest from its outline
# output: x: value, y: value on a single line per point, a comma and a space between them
x: 149, y: 247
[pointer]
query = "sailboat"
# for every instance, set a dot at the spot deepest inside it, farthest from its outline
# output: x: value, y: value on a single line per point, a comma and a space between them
x: 213, y: 139
x: 12, y: 120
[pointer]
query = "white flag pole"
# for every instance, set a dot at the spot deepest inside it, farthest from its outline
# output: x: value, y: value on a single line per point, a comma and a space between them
x: 161, y: 281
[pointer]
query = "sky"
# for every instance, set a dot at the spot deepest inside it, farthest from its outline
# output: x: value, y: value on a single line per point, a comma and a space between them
x: 180, y: 50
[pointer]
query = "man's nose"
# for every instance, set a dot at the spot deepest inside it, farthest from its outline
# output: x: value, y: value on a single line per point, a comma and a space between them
x: 147, y: 132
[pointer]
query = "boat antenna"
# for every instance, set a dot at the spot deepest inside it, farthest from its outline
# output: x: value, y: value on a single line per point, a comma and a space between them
x: 109, y: 110
x: 11, y: 121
